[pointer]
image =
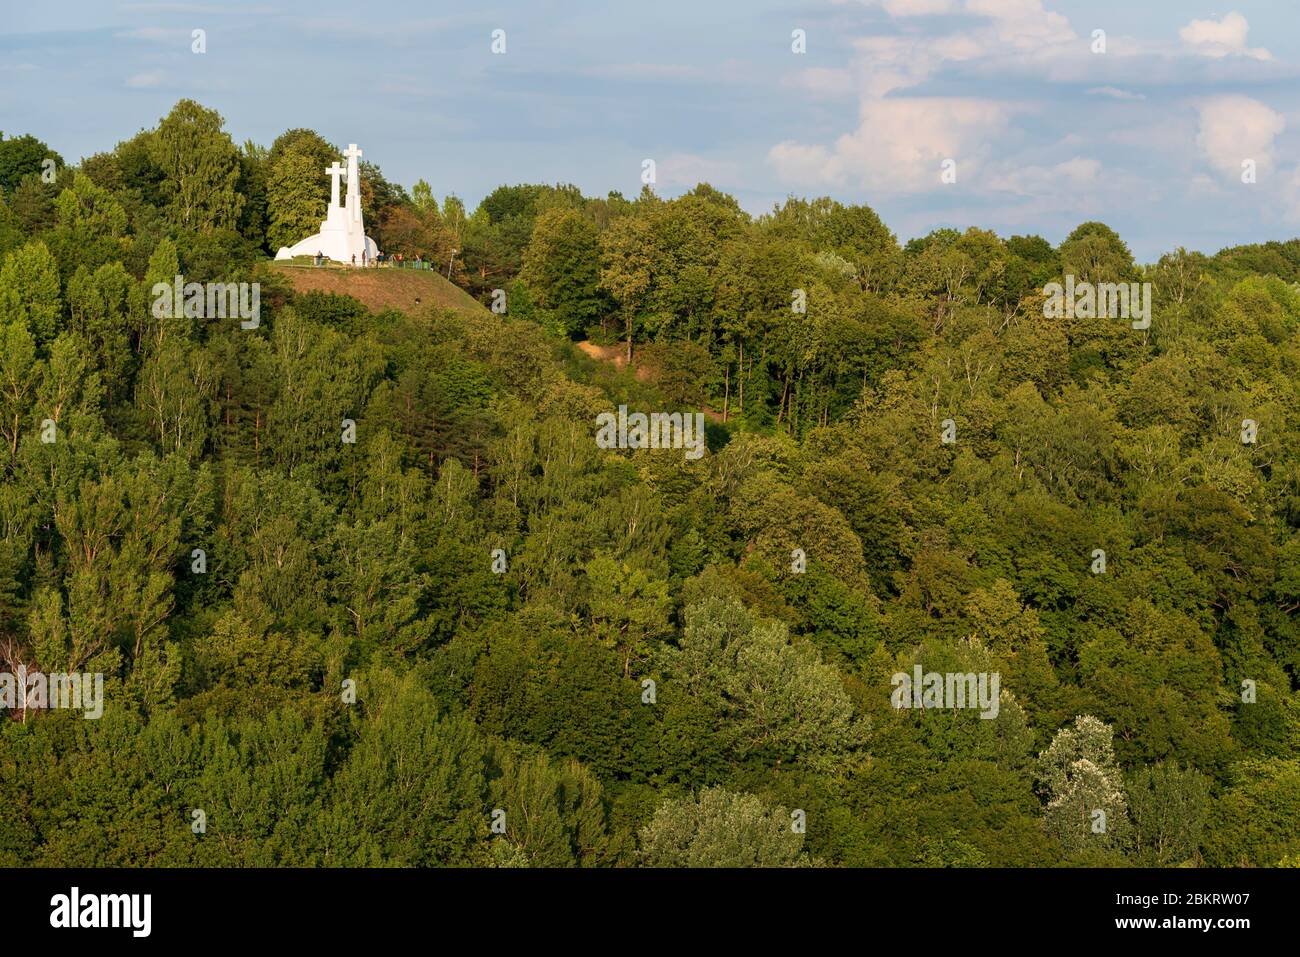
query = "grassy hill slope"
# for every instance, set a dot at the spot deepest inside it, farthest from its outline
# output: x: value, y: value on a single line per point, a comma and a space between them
x: 404, y: 289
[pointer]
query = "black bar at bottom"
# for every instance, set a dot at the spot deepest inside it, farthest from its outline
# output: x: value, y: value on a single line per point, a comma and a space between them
x: 333, y: 906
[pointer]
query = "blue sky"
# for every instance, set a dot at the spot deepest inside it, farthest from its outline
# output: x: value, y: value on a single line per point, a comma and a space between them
x: 1149, y: 136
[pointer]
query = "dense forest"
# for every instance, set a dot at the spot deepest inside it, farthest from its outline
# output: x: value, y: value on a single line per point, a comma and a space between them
x: 473, y: 637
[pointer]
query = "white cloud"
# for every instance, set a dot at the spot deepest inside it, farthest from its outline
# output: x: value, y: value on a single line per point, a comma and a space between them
x: 1234, y: 128
x: 825, y: 81
x: 142, y: 81
x: 800, y: 163
x: 1220, y: 38
x: 1023, y: 23
x: 909, y: 77
x: 917, y: 8
x: 166, y: 35
x: 1073, y: 174
x: 1115, y: 93
x: 1291, y: 195
x: 893, y: 63
x: 899, y: 144
x: 1007, y: 30
x: 901, y: 140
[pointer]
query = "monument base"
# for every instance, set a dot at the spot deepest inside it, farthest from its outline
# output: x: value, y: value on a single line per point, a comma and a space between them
x: 332, y: 245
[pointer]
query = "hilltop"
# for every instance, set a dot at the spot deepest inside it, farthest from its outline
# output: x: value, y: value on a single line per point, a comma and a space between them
x: 378, y: 289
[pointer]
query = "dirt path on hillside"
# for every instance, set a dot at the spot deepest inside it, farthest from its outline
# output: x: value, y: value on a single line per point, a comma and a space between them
x: 617, y: 354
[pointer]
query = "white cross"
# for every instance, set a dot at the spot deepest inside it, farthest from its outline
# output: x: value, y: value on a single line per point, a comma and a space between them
x: 354, y: 181
x: 334, y: 171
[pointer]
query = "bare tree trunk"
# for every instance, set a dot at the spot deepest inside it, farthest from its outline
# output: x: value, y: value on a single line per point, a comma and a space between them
x: 740, y: 371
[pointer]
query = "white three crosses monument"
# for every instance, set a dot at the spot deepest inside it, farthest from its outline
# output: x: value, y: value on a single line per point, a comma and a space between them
x: 342, y: 236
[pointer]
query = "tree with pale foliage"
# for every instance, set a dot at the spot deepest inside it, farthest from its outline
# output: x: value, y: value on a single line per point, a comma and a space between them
x: 771, y: 696
x: 1087, y: 808
x: 719, y: 828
